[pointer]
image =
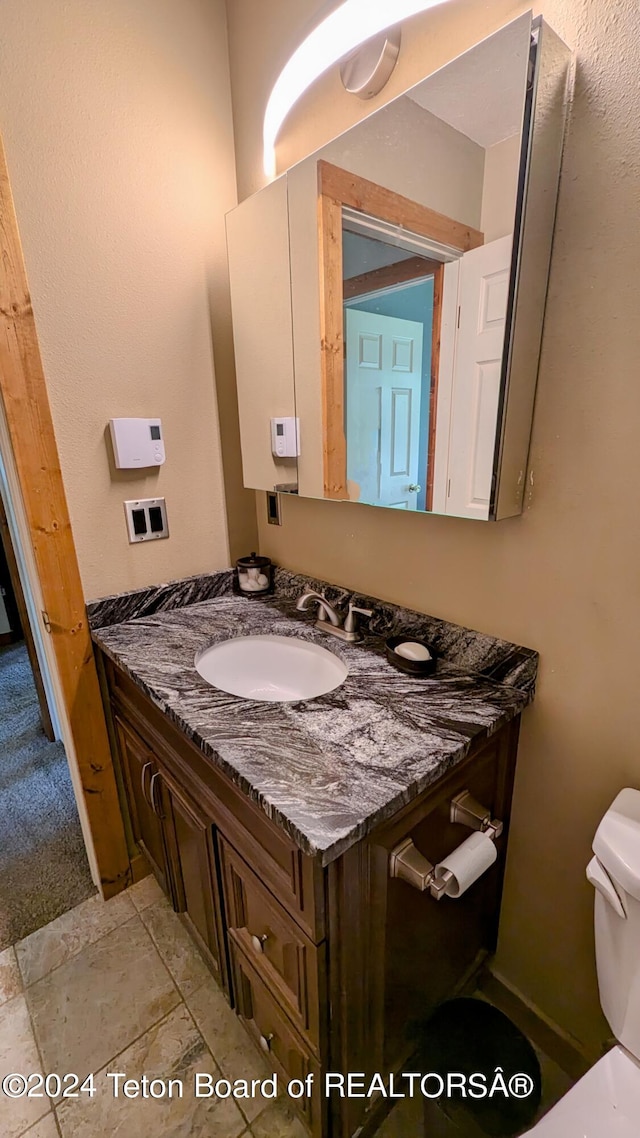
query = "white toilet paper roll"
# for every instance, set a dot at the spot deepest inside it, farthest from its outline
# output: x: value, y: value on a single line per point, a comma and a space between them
x: 466, y: 863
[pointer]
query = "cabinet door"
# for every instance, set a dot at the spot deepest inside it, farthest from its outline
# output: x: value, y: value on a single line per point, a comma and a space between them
x: 190, y: 837
x: 140, y: 771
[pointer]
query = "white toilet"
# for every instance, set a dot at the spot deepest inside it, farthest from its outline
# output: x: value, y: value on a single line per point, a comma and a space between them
x: 605, y: 1103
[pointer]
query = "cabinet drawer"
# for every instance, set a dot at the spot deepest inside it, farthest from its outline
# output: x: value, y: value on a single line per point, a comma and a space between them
x: 292, y: 967
x: 271, y: 1029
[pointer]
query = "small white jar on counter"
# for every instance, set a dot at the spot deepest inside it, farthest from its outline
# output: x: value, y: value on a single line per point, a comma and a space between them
x: 254, y: 575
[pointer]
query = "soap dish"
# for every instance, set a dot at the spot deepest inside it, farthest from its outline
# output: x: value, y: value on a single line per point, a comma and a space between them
x: 411, y: 667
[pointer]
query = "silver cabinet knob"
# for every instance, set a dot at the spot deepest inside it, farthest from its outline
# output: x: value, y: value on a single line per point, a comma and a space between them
x: 258, y: 942
x: 413, y: 488
x: 265, y: 1041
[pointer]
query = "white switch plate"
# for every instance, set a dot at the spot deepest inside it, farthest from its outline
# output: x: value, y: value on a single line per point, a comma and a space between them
x: 146, y: 519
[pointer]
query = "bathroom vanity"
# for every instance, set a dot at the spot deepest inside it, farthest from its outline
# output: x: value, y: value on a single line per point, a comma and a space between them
x: 271, y: 826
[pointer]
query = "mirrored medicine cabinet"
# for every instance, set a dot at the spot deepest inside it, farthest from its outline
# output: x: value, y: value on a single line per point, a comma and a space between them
x: 388, y: 291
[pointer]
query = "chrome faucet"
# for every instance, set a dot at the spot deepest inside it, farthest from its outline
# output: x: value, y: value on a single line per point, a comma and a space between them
x: 328, y: 620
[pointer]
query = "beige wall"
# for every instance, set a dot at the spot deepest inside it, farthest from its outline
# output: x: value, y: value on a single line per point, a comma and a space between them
x: 501, y: 164
x: 563, y: 578
x: 117, y: 124
x: 258, y: 245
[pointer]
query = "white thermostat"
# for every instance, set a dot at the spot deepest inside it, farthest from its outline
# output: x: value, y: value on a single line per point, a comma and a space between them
x: 137, y: 443
x: 285, y: 437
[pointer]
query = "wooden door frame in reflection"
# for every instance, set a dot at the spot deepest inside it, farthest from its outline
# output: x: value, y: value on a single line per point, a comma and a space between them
x: 338, y: 188
x: 407, y: 272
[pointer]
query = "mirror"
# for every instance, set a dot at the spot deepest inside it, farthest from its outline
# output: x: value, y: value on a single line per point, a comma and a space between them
x: 388, y: 291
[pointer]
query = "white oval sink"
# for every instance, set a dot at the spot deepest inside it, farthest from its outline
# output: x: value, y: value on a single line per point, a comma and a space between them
x: 278, y: 669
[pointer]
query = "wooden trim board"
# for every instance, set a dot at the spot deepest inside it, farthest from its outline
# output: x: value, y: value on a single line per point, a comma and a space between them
x: 24, y: 395
x: 389, y: 276
x: 436, y: 332
x: 377, y: 201
x: 561, y: 1048
x: 334, y: 443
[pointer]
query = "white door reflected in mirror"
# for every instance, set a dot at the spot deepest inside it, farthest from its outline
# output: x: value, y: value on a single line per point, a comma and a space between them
x: 482, y: 303
x: 383, y: 380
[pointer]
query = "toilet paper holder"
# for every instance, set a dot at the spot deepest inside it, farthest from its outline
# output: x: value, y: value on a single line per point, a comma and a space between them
x: 408, y: 864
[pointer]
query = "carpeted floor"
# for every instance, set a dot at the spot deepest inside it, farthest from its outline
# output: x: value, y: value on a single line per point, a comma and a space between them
x: 43, y: 864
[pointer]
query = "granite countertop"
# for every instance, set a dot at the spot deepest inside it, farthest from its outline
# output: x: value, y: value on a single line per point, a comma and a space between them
x: 327, y: 770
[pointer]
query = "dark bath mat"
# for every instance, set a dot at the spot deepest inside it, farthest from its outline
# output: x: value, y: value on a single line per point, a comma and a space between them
x: 470, y: 1036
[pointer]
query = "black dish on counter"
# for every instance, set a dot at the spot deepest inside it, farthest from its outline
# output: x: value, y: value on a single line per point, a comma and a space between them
x: 411, y: 667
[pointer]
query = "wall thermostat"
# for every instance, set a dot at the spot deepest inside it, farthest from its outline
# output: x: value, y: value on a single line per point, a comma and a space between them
x: 285, y: 437
x: 137, y: 443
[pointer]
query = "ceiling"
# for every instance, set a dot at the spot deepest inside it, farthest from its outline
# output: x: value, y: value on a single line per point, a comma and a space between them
x: 481, y: 93
x: 365, y: 254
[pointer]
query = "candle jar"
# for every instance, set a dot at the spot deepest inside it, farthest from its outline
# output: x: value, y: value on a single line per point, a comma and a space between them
x: 253, y: 576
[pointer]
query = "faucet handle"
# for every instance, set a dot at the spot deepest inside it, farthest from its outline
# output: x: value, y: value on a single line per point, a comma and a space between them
x: 325, y: 610
x: 351, y: 620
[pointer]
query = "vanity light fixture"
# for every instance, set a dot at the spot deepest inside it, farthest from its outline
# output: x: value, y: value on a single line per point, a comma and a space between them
x: 352, y: 24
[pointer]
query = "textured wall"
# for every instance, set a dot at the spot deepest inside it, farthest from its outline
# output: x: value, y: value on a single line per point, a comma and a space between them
x: 117, y: 124
x: 501, y: 166
x: 563, y: 578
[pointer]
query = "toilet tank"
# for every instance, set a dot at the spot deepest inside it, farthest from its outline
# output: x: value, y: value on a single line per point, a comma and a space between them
x: 617, y: 916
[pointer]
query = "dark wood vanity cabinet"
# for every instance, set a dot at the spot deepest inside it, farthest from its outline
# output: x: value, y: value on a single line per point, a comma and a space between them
x: 329, y: 968
x: 140, y: 770
x: 172, y: 830
x: 190, y: 844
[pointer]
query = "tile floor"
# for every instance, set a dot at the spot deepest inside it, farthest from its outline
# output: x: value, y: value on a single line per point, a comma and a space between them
x: 120, y: 987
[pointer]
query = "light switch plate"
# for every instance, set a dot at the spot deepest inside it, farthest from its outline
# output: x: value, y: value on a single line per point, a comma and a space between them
x: 273, y: 509
x: 146, y: 519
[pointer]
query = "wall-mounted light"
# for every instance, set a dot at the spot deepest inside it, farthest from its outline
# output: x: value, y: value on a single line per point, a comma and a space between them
x: 344, y: 30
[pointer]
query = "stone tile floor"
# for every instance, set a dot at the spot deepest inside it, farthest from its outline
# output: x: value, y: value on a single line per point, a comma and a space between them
x: 120, y: 987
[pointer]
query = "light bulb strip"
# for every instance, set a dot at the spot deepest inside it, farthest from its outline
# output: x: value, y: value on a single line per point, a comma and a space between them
x: 351, y: 25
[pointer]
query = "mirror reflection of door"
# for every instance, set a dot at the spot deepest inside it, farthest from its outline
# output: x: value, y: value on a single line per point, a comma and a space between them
x: 389, y: 329
x: 393, y: 330
x: 384, y: 379
x: 382, y: 270
x: 483, y: 294
x: 400, y: 352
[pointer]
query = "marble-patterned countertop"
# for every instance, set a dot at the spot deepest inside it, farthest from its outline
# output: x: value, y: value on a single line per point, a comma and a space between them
x: 327, y: 770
